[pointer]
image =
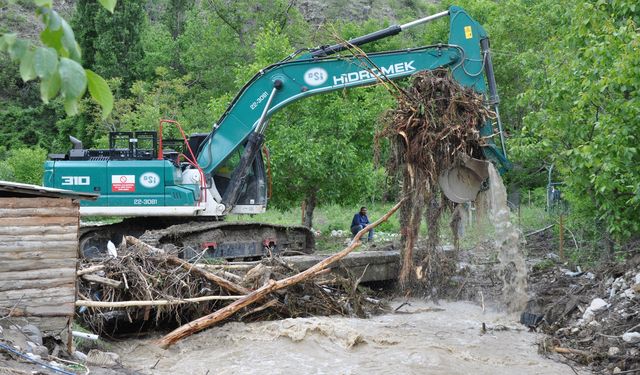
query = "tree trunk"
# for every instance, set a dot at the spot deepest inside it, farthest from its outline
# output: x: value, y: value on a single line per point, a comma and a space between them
x: 309, y: 205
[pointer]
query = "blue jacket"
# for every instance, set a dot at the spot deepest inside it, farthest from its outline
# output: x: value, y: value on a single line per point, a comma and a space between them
x: 359, y: 220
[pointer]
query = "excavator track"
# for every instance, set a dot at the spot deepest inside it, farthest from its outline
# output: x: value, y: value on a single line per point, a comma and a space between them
x: 208, y: 238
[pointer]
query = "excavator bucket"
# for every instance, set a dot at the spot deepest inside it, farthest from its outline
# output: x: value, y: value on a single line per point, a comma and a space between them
x: 463, y: 182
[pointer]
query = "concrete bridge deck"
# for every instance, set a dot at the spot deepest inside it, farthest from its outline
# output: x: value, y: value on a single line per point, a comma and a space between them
x: 379, y: 265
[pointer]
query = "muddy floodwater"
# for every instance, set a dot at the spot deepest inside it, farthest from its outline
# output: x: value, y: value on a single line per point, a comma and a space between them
x: 425, y: 339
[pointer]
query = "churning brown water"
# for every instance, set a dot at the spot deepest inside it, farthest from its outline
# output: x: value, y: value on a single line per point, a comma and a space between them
x: 426, y: 339
x: 512, y: 261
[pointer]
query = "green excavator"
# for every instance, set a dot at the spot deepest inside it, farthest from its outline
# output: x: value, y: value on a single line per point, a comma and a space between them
x: 162, y: 185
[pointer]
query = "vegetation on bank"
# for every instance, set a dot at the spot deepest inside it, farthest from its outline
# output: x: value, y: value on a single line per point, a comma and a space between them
x: 567, y: 74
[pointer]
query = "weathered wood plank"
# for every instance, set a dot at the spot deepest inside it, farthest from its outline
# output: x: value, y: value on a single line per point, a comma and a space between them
x: 49, y: 326
x: 37, y: 221
x: 41, y: 212
x: 39, y: 237
x: 43, y: 274
x: 38, y: 283
x: 34, y: 245
x: 36, y: 202
x: 37, y: 264
x: 48, y: 309
x: 31, y: 295
x: 39, y: 230
x: 9, y: 256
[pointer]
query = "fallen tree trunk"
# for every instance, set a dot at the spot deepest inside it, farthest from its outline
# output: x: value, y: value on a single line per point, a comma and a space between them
x: 211, y: 319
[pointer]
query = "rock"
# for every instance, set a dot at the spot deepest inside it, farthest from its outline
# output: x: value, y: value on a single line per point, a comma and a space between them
x: 617, y: 370
x: 40, y: 350
x: 105, y: 359
x: 629, y: 293
x: 634, y: 353
x: 637, y: 278
x: 631, y: 337
x: 80, y: 356
x: 613, y: 351
x: 588, y: 316
x: 552, y: 256
x: 33, y: 333
x: 598, y: 305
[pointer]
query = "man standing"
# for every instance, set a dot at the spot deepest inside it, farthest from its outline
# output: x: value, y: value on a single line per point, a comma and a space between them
x: 360, y: 220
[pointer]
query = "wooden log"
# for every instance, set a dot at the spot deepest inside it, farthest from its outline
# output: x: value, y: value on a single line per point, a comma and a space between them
x: 103, y: 280
x: 39, y: 221
x: 37, y: 284
x: 35, y: 293
x: 211, y: 319
x: 91, y: 269
x: 52, y: 309
x: 39, y: 237
x: 37, y: 264
x: 14, y: 203
x: 226, y: 266
x: 159, y: 302
x: 53, y: 246
x: 230, y: 275
x: 40, y: 212
x: 39, y: 230
x: 45, y: 274
x: 6, y: 256
x: 561, y: 350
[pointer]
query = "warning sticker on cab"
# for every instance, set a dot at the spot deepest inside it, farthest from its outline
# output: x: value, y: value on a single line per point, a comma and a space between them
x: 123, y: 183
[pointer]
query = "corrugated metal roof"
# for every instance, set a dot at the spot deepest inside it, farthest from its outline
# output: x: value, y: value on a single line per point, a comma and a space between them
x: 16, y: 189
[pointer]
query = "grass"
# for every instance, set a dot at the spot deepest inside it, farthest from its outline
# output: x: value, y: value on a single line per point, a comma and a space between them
x: 335, y: 217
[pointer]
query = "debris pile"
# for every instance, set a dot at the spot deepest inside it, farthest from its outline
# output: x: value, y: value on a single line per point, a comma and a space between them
x: 593, y: 318
x: 144, y: 287
x: 435, y: 123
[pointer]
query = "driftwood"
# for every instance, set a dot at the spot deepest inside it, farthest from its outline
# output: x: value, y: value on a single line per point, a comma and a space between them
x: 103, y: 280
x: 90, y: 270
x: 226, y: 266
x: 211, y: 319
x: 158, y: 302
x: 561, y: 350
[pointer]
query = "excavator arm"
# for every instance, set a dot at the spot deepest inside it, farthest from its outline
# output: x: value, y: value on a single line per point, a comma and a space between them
x: 320, y: 70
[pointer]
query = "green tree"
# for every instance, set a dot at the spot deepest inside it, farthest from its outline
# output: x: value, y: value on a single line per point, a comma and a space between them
x: 24, y: 165
x: 583, y: 114
x: 111, y: 42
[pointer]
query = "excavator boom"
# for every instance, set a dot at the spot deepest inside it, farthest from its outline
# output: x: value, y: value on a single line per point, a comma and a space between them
x: 223, y: 171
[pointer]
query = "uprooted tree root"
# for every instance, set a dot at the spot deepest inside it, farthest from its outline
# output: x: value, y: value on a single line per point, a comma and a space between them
x: 436, y: 120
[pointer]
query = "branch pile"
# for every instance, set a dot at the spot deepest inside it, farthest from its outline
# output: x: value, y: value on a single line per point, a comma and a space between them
x: 435, y: 121
x: 146, y: 287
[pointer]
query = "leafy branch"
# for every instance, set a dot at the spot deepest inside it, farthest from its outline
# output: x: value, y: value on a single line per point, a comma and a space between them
x: 57, y: 62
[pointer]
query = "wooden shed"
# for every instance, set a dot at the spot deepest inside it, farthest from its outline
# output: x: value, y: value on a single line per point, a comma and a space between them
x: 39, y: 255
